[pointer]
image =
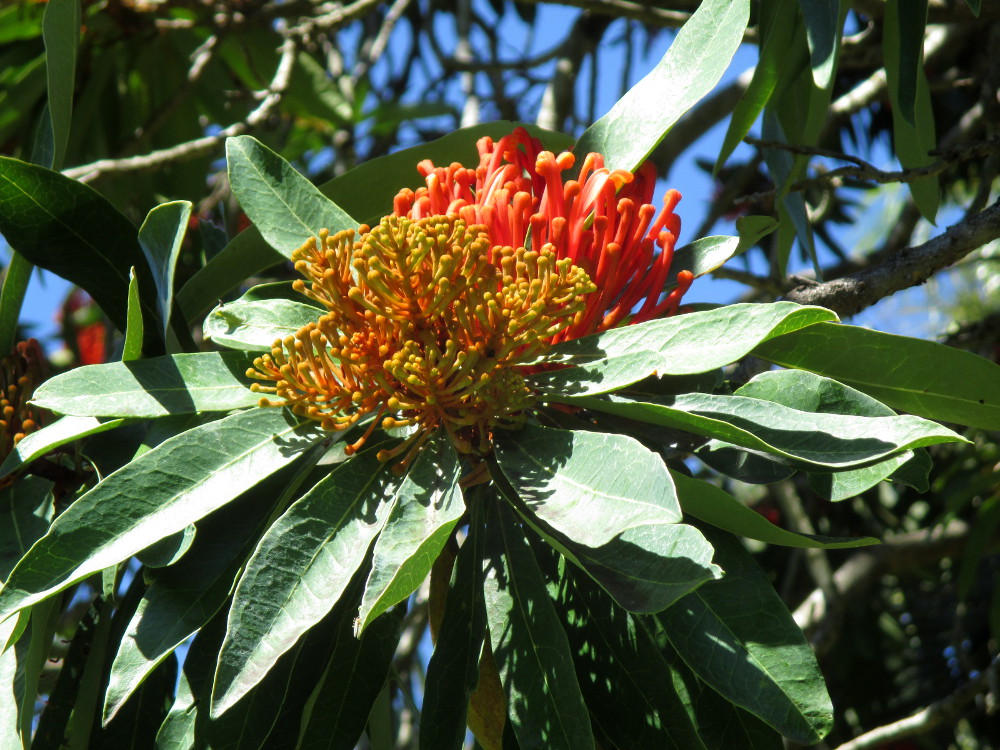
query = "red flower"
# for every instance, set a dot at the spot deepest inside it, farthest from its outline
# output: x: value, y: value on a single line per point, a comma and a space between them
x: 603, y: 221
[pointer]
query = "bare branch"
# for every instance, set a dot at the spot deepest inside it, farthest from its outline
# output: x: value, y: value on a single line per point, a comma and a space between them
x: 191, y: 149
x: 910, y: 267
x: 819, y: 617
x: 864, y: 171
x: 940, y: 712
x: 636, y: 11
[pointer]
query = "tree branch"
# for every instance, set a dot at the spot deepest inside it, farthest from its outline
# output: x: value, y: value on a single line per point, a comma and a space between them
x: 820, y: 618
x: 191, y: 149
x: 939, y: 712
x: 911, y: 266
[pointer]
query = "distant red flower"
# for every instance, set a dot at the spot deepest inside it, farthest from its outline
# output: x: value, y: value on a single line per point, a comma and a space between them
x: 603, y: 221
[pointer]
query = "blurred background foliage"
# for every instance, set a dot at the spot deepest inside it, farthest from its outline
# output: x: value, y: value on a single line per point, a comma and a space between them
x: 899, y: 142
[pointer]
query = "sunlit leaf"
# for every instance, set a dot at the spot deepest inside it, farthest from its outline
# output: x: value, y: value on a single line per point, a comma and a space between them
x: 912, y: 375
x: 286, y: 208
x: 427, y: 507
x: 177, y: 384
x: 165, y: 489
x: 300, y: 569
x: 694, y: 63
x: 254, y: 326
x: 160, y: 236
x: 681, y: 345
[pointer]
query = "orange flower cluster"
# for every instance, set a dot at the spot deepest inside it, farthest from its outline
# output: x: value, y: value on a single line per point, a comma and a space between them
x: 427, y: 321
x: 20, y: 373
x: 602, y: 221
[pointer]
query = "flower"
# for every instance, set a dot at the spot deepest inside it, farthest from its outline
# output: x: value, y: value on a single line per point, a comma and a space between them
x: 20, y: 373
x: 428, y: 319
x: 602, y: 221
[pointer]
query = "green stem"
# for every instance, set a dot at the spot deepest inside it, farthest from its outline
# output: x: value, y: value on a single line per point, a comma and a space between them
x: 15, y: 284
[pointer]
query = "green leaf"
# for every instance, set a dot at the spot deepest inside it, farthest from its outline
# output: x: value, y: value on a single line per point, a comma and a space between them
x: 913, y: 138
x: 808, y: 392
x: 34, y: 630
x: 177, y: 732
x: 11, y: 691
x: 132, y: 346
x: 176, y: 483
x: 725, y: 726
x: 974, y: 6
x: 27, y: 507
x: 16, y: 277
x: 801, y: 439
x: 777, y: 29
x: 247, y: 255
x: 544, y: 704
x: 912, y: 375
x: 61, y: 32
x: 355, y: 673
x: 427, y: 507
x: 254, y: 326
x: 694, y: 63
x: 160, y: 236
x: 713, y: 505
x: 681, y: 345
x: 286, y: 208
x: 738, y: 637
x: 822, y: 18
x: 908, y: 43
x: 69, y: 718
x: 453, y: 669
x: 783, y: 170
x: 316, y: 546
x: 68, y: 228
x: 589, y: 486
x: 168, y: 550
x: 608, y: 504
x: 632, y: 689
x: 272, y: 714
x: 50, y: 437
x: 137, y: 723
x: 185, y: 596
x: 175, y: 384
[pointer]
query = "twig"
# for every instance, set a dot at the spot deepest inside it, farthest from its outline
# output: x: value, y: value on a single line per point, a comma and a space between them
x: 643, y: 12
x: 332, y: 20
x: 270, y: 98
x: 374, y: 50
x: 910, y: 267
x: 863, y: 171
x: 945, y: 710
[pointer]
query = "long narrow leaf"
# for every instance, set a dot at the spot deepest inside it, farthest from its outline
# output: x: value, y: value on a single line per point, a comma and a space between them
x: 739, y: 638
x: 284, y: 205
x: 159, y: 493
x: 300, y: 569
x: 545, y: 706
x: 429, y: 505
x: 691, y: 67
x: 159, y: 387
x: 937, y: 382
x: 682, y: 345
